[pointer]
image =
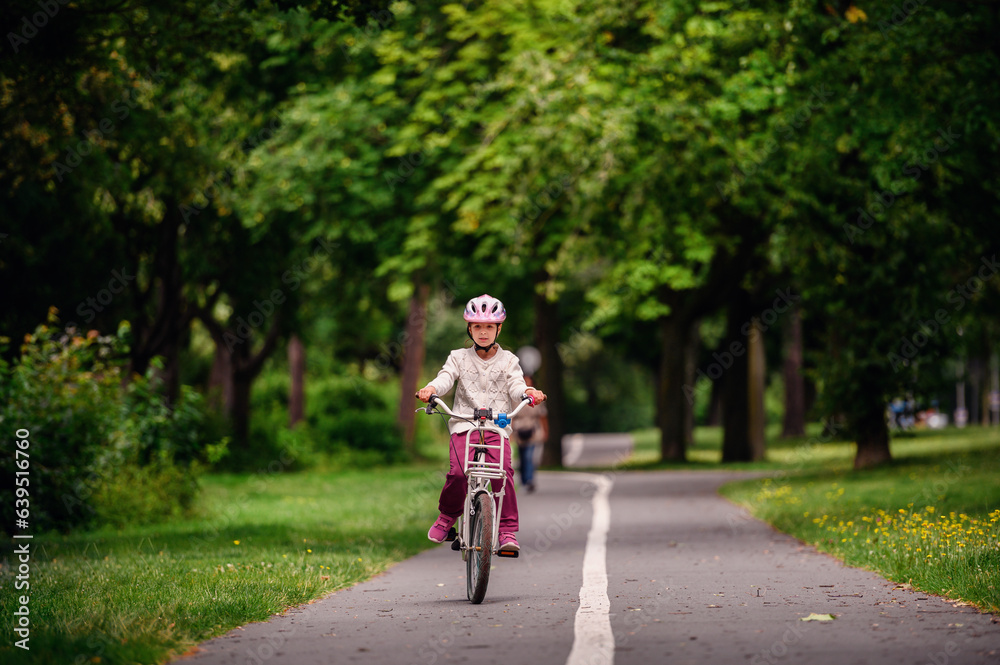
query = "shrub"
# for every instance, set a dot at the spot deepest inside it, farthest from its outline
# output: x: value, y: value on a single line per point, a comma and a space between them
x: 369, y: 430
x: 99, y: 451
x: 349, y: 422
x: 349, y: 413
x: 272, y: 446
x: 595, y: 384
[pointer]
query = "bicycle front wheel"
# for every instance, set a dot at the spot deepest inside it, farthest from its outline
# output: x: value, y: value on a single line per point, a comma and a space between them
x: 477, y: 560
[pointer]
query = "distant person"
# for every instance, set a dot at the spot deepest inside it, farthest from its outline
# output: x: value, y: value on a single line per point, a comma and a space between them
x: 486, y: 376
x: 896, y: 408
x: 531, y: 427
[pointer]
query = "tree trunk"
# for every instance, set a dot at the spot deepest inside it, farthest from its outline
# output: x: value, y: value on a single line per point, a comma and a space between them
x: 162, y: 335
x: 715, y: 406
x: 690, y: 377
x: 756, y: 384
x: 242, y: 380
x: 995, y: 389
x: 809, y: 397
x: 297, y: 366
x: 550, y: 375
x: 735, y: 413
x: 672, y: 404
x: 976, y: 382
x: 220, y: 381
x: 170, y: 375
x: 872, y: 438
x: 794, y: 423
x: 413, y: 363
x: 243, y: 367
x: 733, y: 360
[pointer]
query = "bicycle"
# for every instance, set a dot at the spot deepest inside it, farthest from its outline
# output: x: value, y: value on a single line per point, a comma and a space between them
x: 478, y: 530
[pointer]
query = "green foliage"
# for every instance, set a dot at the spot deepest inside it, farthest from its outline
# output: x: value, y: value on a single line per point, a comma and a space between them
x: 177, y: 432
x: 367, y: 430
x: 308, y: 163
x: 893, y: 197
x: 605, y: 394
x: 100, y: 453
x: 137, y: 494
x: 350, y: 421
x: 272, y: 444
x: 351, y: 413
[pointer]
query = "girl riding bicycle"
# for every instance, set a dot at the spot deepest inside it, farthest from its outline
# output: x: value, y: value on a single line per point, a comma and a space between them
x: 487, y: 376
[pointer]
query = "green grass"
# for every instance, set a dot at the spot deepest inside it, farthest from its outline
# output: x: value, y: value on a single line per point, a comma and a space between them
x: 931, y: 518
x: 263, y: 543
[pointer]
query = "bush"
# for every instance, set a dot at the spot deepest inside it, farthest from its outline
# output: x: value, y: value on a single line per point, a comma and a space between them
x: 348, y: 422
x: 99, y: 452
x: 596, y: 382
x: 272, y: 447
x: 349, y: 413
x: 369, y: 430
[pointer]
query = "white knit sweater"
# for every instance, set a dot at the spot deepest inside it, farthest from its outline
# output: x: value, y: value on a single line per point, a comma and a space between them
x: 497, y: 383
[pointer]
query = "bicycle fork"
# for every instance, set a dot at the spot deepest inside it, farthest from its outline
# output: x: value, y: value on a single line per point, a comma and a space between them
x: 462, y: 542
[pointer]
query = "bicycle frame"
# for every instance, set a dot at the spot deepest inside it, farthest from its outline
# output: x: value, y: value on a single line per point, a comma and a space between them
x: 480, y: 473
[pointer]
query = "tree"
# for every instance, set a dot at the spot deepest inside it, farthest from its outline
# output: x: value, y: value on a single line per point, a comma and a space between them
x: 794, y: 422
x: 896, y: 189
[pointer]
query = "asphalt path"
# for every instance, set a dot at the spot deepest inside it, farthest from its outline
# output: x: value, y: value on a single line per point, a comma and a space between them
x: 688, y: 578
x: 582, y: 451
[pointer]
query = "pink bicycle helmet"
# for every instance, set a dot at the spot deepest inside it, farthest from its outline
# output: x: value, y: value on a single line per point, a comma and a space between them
x: 485, y: 309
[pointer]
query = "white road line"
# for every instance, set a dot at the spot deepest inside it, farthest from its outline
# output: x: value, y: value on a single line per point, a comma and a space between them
x: 593, y: 639
x: 575, y: 442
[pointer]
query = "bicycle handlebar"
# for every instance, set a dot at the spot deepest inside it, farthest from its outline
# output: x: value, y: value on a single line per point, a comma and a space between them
x: 501, y: 419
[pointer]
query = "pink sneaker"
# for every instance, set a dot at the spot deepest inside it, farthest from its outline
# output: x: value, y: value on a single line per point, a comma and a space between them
x: 439, y: 532
x: 508, y: 542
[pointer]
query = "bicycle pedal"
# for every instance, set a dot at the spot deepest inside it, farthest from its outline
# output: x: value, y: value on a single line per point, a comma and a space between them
x: 511, y: 554
x: 452, y: 534
x: 455, y: 545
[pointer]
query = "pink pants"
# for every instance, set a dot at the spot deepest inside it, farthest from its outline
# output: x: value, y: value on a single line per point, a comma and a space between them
x: 452, y: 500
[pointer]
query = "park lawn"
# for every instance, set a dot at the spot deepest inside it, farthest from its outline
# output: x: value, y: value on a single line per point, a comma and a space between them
x: 930, y: 519
x: 263, y: 543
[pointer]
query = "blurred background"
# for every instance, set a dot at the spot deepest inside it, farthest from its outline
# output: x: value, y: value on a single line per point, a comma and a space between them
x: 240, y: 235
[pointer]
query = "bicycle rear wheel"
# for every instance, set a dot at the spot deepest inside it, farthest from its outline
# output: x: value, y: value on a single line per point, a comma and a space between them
x: 477, y: 560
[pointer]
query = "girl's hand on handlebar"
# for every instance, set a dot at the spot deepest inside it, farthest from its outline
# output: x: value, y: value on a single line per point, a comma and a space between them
x: 537, y: 396
x: 424, y: 394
